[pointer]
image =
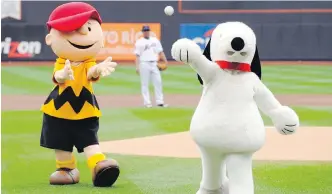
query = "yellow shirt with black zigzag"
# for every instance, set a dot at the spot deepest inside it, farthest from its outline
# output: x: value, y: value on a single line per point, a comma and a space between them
x: 73, y: 99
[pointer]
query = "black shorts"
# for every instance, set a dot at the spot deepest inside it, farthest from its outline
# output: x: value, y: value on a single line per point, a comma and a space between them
x: 63, y: 134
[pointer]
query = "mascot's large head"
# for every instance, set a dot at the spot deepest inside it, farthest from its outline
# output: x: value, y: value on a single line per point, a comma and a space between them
x: 233, y: 46
x: 75, y: 31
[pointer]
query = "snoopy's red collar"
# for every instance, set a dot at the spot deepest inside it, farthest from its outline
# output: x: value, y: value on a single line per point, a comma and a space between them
x: 234, y: 66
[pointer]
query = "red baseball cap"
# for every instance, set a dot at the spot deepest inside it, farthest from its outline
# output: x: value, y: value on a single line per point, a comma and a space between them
x: 71, y: 16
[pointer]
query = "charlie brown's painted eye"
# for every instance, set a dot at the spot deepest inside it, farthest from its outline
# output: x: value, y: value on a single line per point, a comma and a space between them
x: 89, y: 28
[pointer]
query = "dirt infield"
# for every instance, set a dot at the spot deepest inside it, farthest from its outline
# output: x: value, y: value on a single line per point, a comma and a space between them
x: 26, y: 102
x: 308, y: 144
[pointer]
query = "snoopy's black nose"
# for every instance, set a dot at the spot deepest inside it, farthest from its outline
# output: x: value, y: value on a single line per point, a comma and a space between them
x: 237, y: 44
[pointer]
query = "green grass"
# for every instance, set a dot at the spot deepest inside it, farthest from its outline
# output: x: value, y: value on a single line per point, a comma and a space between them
x: 26, y: 166
x: 291, y: 79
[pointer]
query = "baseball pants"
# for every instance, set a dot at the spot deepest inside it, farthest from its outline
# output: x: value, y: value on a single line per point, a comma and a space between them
x: 149, y: 71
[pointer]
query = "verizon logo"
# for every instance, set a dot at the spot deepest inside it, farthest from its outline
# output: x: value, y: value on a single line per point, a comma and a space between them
x: 20, y: 49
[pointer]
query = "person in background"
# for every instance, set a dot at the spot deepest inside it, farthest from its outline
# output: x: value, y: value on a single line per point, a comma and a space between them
x: 148, y: 50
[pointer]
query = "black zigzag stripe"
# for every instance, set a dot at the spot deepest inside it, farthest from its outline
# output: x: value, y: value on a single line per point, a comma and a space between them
x: 68, y: 95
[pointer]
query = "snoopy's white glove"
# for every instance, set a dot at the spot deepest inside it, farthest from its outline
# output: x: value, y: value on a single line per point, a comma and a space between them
x: 106, y: 67
x: 185, y: 50
x: 64, y: 74
x: 285, y: 120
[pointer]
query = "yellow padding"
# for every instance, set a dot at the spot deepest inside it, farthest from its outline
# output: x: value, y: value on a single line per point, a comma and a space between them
x: 93, y: 160
x: 66, y: 164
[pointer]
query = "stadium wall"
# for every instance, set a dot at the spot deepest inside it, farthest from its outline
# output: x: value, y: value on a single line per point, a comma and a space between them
x: 285, y: 30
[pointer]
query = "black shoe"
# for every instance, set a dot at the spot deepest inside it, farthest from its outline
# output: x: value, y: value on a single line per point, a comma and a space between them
x: 105, y: 173
x: 162, y: 105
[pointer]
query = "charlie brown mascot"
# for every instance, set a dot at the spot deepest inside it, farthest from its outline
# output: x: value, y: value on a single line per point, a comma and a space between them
x: 71, y: 112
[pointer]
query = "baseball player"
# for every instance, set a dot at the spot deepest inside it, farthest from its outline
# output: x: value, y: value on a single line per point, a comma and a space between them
x: 148, y: 50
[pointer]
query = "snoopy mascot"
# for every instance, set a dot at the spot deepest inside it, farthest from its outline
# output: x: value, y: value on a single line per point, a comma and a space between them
x: 227, y: 125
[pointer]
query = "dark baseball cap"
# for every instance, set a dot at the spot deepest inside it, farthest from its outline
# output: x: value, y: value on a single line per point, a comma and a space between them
x: 145, y: 28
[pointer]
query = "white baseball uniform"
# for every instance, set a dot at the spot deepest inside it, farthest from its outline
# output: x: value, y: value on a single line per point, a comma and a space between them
x: 148, y: 51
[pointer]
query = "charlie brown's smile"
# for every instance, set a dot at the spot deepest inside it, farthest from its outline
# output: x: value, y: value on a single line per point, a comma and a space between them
x: 81, y: 46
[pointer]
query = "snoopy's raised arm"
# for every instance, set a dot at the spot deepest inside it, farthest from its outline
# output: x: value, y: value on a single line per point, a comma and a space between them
x: 284, y: 118
x: 187, y: 51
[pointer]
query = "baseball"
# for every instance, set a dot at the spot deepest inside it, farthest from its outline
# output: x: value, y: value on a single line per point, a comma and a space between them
x: 169, y: 10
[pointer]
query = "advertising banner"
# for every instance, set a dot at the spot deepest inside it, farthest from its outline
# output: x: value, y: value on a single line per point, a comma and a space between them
x: 198, y: 32
x: 120, y: 39
x: 24, y: 43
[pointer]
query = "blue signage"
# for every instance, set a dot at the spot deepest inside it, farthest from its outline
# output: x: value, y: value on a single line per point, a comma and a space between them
x: 198, y: 32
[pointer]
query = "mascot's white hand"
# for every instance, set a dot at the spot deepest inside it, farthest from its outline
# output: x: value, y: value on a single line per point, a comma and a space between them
x: 185, y: 50
x: 106, y: 67
x: 68, y: 73
x: 285, y: 120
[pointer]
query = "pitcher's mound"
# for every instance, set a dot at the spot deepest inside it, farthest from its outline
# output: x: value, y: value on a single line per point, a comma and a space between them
x: 309, y: 143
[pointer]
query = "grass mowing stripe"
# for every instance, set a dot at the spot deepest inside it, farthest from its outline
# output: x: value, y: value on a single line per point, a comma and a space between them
x: 281, y: 90
x: 308, y: 116
x: 44, y: 76
x: 300, y: 82
x: 31, y: 85
x: 116, y: 86
x: 170, y: 70
x: 318, y: 108
x: 34, y: 74
x: 276, y: 171
x: 299, y: 86
x: 298, y: 69
x: 45, y: 69
x: 318, y: 117
x: 186, y: 177
x: 118, y: 123
x: 169, y: 120
x: 298, y: 77
x: 284, y: 88
x: 110, y: 85
x: 182, y: 85
x: 6, y: 89
x: 130, y: 77
x: 123, y: 77
x: 167, y: 82
x: 188, y: 79
x: 180, y: 72
x: 303, y: 75
x: 102, y: 89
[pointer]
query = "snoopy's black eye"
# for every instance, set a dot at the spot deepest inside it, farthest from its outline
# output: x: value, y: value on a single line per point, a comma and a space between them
x: 243, y: 53
x: 230, y: 52
x: 89, y: 28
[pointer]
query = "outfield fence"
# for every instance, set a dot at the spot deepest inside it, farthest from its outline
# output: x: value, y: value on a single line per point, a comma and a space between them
x: 299, y: 31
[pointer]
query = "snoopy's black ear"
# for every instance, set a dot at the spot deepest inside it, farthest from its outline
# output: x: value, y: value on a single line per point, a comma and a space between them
x: 200, y: 79
x: 207, y: 54
x: 256, y: 65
